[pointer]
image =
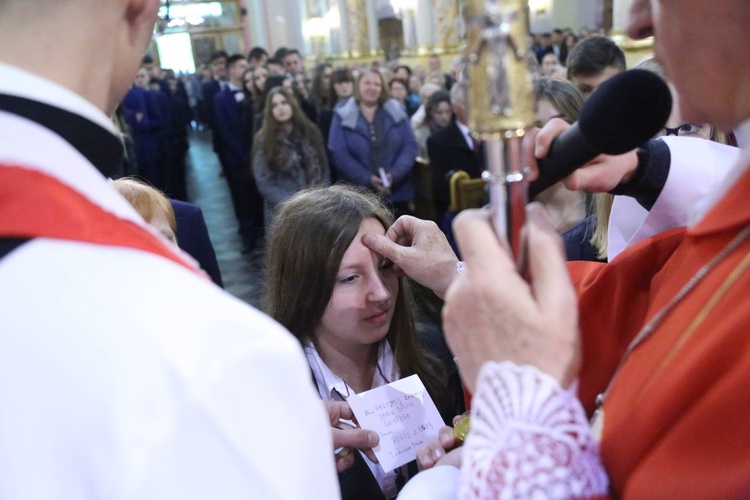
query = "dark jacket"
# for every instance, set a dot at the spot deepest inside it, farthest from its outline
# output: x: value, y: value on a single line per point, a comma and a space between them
x: 192, y: 237
x: 449, y: 151
x: 146, y: 124
x: 349, y: 144
x: 230, y: 126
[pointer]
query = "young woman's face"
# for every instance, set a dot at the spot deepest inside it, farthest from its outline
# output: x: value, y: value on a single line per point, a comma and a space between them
x: 544, y: 111
x: 248, y: 79
x: 364, y: 296
x: 441, y: 114
x: 343, y: 89
x: 280, y: 108
x: 259, y: 78
x: 325, y: 79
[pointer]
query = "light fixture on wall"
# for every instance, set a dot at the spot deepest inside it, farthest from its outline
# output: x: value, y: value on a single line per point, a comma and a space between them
x: 402, y: 6
x: 539, y: 6
x: 333, y: 18
x: 315, y: 29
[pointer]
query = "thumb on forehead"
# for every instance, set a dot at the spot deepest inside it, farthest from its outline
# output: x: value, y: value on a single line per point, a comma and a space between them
x: 381, y: 245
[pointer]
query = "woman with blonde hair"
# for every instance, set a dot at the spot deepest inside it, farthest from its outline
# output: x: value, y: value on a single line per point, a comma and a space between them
x: 372, y: 143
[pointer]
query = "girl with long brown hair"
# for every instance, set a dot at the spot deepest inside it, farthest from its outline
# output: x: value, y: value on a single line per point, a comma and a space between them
x: 351, y: 311
x: 288, y: 152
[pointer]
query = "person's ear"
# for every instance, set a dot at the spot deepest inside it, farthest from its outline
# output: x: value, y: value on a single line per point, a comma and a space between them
x: 141, y: 16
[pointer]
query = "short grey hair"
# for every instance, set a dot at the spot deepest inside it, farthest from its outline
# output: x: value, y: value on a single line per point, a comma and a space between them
x: 458, y: 93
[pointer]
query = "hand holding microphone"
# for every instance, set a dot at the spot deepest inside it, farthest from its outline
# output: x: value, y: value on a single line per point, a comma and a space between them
x: 624, y: 113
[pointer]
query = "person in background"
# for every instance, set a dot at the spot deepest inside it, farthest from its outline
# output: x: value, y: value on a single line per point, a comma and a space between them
x: 230, y: 125
x: 257, y: 56
x: 293, y: 62
x: 192, y: 237
x: 555, y: 98
x: 372, y: 143
x: 593, y: 61
x: 180, y: 118
x: 163, y: 114
x: 145, y: 123
x: 559, y: 47
x: 550, y: 64
x: 211, y: 87
x: 320, y: 93
x: 397, y: 88
x: 288, y: 152
x: 424, y: 95
x: 412, y: 97
x: 438, y: 115
x: 435, y: 67
x: 151, y: 204
x: 451, y: 149
x: 403, y: 72
x: 275, y: 66
x: 271, y: 82
x: 341, y: 89
x: 250, y: 101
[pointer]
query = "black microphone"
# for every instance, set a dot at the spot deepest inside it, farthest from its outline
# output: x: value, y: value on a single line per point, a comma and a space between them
x: 625, y: 111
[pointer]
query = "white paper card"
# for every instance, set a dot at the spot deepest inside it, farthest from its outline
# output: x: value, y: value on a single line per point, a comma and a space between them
x: 404, y: 416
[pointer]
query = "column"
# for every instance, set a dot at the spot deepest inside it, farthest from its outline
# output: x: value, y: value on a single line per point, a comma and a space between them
x: 373, y: 36
x: 255, y: 24
x: 620, y: 13
x: 445, y: 22
x: 424, y: 20
x: 355, y: 27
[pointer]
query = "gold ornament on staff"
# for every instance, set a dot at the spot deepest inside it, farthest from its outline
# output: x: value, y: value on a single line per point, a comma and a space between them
x: 501, y: 104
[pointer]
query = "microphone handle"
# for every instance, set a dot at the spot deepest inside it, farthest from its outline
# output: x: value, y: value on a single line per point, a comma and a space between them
x: 568, y: 152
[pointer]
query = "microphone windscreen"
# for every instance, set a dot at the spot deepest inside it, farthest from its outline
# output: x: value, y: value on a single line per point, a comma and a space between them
x: 625, y: 111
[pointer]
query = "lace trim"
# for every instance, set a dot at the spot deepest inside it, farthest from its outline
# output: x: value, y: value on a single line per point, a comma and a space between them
x: 529, y: 438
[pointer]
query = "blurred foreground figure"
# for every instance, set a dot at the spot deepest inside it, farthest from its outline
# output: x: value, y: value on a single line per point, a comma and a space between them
x: 656, y: 340
x: 124, y: 372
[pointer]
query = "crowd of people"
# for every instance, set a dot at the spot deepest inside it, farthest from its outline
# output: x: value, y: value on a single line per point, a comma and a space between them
x: 126, y: 373
x: 365, y: 125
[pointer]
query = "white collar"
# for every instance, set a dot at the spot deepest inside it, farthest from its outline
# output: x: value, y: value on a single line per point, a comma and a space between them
x: 330, y: 385
x: 467, y: 134
x: 21, y: 83
x: 743, y: 163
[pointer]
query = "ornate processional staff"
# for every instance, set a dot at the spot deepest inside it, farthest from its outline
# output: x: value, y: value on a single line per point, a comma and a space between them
x: 501, y: 105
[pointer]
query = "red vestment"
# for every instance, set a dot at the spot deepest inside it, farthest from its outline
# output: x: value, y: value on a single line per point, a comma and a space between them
x: 677, y: 418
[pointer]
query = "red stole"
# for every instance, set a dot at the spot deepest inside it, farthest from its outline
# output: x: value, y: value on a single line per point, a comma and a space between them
x: 33, y: 204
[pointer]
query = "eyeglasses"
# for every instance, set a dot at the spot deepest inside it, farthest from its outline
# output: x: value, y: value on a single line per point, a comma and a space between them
x: 684, y: 129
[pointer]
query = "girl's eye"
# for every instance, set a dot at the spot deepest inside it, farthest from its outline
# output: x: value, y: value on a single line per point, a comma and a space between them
x: 689, y: 128
x: 348, y: 279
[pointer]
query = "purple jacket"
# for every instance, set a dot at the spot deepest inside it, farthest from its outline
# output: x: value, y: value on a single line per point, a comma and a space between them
x: 349, y: 145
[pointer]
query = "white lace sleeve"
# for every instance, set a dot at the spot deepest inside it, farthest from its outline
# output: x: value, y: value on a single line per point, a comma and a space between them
x: 529, y: 439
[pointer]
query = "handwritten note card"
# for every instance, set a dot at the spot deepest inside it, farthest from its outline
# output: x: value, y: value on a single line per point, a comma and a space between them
x: 404, y: 415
